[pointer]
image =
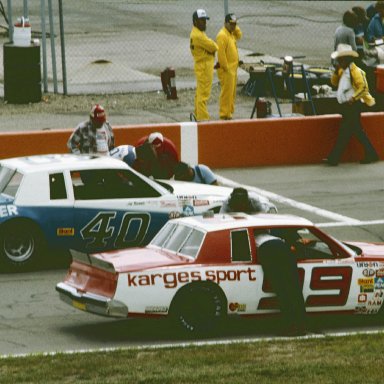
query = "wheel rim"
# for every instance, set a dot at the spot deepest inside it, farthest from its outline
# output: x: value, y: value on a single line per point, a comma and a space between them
x: 200, y: 311
x: 19, y: 248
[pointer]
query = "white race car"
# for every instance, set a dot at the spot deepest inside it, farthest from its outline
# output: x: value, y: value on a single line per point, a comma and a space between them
x: 88, y: 203
x: 198, y: 270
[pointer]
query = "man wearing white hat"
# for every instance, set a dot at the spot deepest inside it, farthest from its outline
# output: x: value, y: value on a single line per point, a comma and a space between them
x: 203, y: 50
x: 166, y: 154
x: 352, y: 94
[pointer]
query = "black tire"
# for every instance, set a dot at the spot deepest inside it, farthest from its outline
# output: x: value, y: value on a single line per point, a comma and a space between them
x: 21, y: 244
x: 199, y: 308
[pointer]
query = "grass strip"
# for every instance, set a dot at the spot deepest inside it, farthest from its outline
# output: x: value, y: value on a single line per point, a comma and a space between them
x: 348, y: 359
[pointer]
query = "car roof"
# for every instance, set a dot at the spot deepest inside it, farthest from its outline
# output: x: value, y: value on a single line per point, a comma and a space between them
x: 61, y: 162
x: 219, y: 221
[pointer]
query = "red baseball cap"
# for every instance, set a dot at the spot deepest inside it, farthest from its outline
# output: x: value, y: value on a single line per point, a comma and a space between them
x: 98, y: 114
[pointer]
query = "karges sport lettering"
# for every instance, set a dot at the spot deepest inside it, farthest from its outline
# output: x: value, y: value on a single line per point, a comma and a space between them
x: 172, y: 279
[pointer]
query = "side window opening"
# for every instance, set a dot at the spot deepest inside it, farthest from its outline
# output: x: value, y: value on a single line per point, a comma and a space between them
x: 240, y: 246
x: 57, y: 188
x: 110, y: 184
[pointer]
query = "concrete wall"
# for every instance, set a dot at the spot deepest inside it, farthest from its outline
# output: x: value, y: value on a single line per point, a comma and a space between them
x: 225, y: 144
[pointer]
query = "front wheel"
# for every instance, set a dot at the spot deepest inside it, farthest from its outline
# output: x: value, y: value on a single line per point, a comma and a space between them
x: 198, y: 307
x: 21, y: 244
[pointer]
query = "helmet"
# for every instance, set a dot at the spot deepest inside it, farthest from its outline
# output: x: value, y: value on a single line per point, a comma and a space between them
x: 98, y: 114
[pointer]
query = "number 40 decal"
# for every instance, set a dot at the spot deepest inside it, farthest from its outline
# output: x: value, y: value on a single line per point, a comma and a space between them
x: 131, y: 233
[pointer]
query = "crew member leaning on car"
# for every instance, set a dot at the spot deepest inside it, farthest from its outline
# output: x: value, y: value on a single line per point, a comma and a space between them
x: 140, y: 158
x: 94, y: 135
x: 166, y: 155
x: 198, y: 174
x: 280, y: 270
x: 240, y: 201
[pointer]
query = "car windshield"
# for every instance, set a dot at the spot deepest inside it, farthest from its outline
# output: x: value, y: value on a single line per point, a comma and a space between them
x: 9, y: 181
x: 180, y: 239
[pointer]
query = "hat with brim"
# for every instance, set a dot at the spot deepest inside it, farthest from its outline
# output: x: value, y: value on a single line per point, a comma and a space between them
x: 200, y: 14
x: 344, y: 50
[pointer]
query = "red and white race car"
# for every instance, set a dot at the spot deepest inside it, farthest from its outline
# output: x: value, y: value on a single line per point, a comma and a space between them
x: 200, y: 269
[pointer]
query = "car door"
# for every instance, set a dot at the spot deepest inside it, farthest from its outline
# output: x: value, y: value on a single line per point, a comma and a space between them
x: 115, y: 208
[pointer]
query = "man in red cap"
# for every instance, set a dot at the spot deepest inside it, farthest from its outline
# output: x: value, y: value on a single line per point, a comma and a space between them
x: 94, y: 135
x: 166, y: 155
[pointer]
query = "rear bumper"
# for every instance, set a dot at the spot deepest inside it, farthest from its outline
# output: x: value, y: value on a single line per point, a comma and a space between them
x: 90, y: 302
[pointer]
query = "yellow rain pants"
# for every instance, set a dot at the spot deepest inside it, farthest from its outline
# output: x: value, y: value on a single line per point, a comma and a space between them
x: 203, y: 51
x: 228, y: 58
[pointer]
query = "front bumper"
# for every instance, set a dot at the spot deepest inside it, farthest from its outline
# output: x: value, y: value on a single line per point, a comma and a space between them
x: 90, y: 302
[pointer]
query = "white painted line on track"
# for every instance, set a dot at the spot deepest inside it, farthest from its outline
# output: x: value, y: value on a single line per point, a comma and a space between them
x: 343, y: 224
x: 199, y: 343
x: 293, y: 203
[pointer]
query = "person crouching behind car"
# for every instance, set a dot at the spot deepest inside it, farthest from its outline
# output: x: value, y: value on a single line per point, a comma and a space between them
x: 140, y: 158
x: 240, y: 201
x: 166, y: 154
x: 94, y: 136
x: 198, y: 174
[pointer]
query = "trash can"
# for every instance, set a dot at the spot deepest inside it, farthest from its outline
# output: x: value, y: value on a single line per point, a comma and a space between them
x: 22, y: 74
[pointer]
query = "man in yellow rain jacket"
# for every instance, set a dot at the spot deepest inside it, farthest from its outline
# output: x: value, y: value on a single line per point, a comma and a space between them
x: 203, y: 51
x: 228, y: 62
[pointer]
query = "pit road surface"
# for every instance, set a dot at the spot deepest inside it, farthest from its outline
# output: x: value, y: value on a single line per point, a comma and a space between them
x: 33, y: 319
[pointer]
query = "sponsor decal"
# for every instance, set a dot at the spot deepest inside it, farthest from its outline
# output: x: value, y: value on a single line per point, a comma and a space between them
x: 8, y: 210
x: 174, y: 215
x: 188, y: 210
x: 366, y: 311
x: 368, y: 272
x: 379, y: 294
x: 380, y: 272
x: 199, y: 203
x: 65, y: 231
x: 379, y: 282
x: 362, y: 298
x: 365, y: 281
x: 168, y: 204
x: 173, y: 279
x: 187, y: 197
x: 375, y: 303
x: 156, y: 309
x: 367, y: 288
x: 367, y: 264
x: 236, y: 307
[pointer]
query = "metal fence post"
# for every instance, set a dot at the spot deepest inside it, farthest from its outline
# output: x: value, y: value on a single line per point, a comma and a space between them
x: 44, y: 45
x: 10, y: 22
x: 62, y: 43
x: 25, y: 8
x: 53, y: 51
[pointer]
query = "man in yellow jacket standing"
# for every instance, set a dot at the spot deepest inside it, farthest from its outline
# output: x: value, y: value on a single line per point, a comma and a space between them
x: 228, y: 62
x: 352, y: 94
x: 203, y: 50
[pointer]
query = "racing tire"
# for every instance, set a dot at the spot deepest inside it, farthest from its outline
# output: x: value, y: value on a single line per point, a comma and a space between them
x: 21, y: 244
x: 198, y: 308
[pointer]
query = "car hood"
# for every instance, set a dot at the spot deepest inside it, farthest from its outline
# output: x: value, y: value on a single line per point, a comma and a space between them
x: 184, y: 188
x: 369, y: 250
x: 137, y: 259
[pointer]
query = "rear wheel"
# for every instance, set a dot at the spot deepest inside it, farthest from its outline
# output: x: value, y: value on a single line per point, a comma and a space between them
x: 199, y: 307
x: 21, y: 244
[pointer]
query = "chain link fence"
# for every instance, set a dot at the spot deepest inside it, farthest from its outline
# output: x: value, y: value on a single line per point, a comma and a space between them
x: 123, y: 45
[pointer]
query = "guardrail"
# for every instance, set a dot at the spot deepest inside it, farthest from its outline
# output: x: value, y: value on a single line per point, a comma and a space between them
x: 224, y: 144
